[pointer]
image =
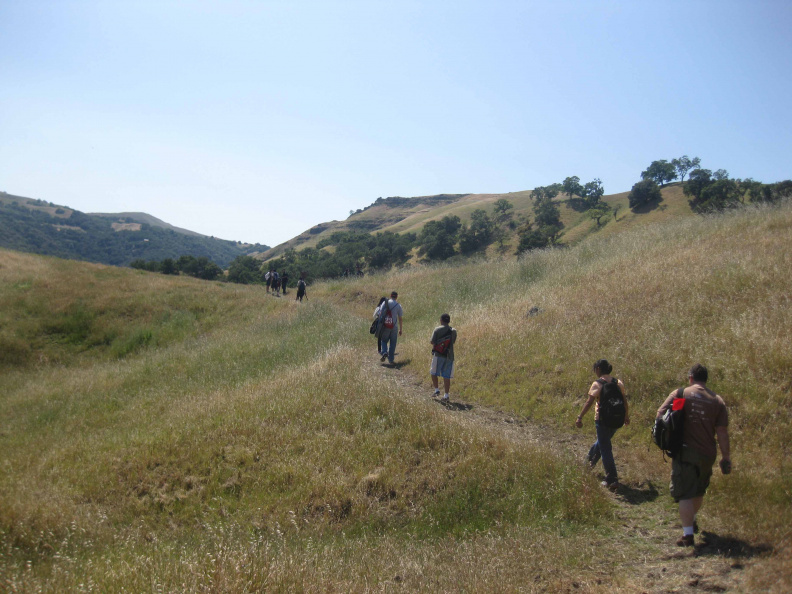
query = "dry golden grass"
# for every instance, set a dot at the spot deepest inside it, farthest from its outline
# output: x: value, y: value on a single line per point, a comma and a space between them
x: 249, y: 445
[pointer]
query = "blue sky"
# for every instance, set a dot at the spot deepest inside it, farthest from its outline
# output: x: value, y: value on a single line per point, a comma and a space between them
x: 255, y: 120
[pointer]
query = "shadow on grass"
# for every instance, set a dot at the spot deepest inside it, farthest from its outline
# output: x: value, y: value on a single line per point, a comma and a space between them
x: 649, y: 207
x: 397, y: 364
x: 714, y: 545
x: 643, y: 493
x: 457, y: 406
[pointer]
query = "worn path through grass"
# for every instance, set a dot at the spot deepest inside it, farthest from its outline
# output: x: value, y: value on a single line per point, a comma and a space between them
x: 638, y: 552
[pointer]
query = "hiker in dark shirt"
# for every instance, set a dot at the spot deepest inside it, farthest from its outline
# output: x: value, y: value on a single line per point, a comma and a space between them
x: 284, y: 279
x: 301, y: 290
x: 705, y: 417
x: 443, y: 340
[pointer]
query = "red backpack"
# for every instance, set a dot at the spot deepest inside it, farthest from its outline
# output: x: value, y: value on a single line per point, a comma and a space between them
x: 387, y: 319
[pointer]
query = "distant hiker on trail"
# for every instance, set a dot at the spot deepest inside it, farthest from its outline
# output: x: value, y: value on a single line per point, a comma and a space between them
x: 301, y: 291
x: 284, y: 279
x: 705, y: 416
x: 610, y: 413
x: 376, y: 324
x: 275, y: 284
x: 268, y: 279
x: 390, y: 314
x: 443, y: 340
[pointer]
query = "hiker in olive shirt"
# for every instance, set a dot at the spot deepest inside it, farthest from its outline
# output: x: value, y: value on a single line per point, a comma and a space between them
x: 705, y: 416
x: 443, y: 355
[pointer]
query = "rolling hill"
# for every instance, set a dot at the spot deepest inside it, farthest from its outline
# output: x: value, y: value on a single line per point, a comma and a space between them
x: 41, y: 227
x: 163, y: 433
x: 405, y: 215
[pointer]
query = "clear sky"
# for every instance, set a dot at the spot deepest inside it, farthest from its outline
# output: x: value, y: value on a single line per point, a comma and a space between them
x: 255, y: 120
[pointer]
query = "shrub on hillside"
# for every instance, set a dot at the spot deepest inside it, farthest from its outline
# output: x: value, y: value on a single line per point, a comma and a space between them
x: 644, y: 192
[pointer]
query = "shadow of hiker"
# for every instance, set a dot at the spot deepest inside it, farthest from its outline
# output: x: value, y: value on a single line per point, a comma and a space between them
x: 398, y: 364
x: 640, y: 494
x: 713, y: 545
x: 457, y: 406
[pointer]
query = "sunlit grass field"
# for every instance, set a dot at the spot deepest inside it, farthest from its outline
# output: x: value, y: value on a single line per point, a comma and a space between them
x: 165, y: 433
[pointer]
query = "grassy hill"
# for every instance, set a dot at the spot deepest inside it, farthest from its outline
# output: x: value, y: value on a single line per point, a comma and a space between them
x: 166, y: 433
x: 41, y: 227
x: 405, y: 215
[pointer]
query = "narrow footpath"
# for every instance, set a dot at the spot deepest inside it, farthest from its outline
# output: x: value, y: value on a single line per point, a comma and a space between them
x: 650, y: 560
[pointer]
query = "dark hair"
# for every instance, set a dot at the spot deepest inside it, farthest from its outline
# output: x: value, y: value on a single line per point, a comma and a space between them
x: 603, y: 366
x: 394, y: 294
x: 699, y: 373
x: 445, y: 319
x: 382, y: 300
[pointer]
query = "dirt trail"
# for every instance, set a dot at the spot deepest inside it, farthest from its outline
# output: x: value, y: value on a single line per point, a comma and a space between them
x: 646, y: 517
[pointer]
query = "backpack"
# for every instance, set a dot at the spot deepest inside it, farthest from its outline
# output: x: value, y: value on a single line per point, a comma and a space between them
x: 612, y: 410
x: 387, y: 316
x: 301, y: 285
x: 667, y: 432
x: 443, y: 346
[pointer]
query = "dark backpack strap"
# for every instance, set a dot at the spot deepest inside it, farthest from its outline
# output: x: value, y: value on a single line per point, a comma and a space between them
x: 680, y: 393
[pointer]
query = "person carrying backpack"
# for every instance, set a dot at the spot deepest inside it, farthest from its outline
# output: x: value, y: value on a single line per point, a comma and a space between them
x: 443, y: 340
x: 268, y: 279
x: 611, y: 412
x: 301, y: 291
x: 705, y: 416
x: 390, y: 316
x: 375, y: 323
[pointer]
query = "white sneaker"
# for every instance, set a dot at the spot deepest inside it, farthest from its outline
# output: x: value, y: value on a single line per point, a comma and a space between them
x: 436, y: 393
x: 446, y: 398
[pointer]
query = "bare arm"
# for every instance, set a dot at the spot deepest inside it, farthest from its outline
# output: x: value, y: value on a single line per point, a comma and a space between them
x: 592, y: 398
x: 723, y: 442
x: 666, y: 405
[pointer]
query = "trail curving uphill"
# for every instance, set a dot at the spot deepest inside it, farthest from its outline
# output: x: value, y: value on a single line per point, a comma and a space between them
x: 647, y: 523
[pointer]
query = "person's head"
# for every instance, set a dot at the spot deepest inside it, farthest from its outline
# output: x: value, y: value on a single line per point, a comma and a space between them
x: 698, y: 373
x: 394, y: 294
x: 382, y: 300
x: 602, y: 367
x: 445, y: 319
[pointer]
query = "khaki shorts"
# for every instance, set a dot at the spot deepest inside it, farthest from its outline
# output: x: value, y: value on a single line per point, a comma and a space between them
x: 690, y: 474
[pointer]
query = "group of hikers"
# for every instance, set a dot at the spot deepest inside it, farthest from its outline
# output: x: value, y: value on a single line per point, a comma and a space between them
x: 275, y: 282
x: 701, y: 412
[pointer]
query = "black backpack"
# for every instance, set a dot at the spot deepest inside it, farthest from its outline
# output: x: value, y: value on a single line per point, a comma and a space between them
x: 612, y: 409
x: 667, y: 432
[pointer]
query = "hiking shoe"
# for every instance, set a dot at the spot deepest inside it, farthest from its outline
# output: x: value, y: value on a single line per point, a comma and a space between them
x: 446, y: 398
x: 382, y: 359
x: 436, y: 394
x: 612, y: 487
x: 686, y: 541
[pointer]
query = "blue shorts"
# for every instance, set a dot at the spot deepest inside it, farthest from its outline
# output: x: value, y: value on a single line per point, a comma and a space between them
x: 442, y: 367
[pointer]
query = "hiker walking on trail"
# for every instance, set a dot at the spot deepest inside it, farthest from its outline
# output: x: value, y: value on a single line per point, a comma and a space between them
x: 611, y: 412
x: 275, y: 284
x: 376, y: 322
x: 301, y: 290
x: 390, y: 316
x: 705, y: 416
x: 443, y: 340
x: 284, y: 279
x: 268, y: 279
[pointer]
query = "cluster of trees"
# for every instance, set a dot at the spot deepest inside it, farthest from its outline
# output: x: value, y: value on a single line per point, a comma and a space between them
x: 546, y: 227
x: 352, y: 251
x: 201, y: 267
x: 707, y: 191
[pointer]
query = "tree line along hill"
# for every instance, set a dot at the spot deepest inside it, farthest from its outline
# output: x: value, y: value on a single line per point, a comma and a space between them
x: 40, y: 227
